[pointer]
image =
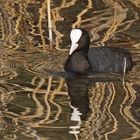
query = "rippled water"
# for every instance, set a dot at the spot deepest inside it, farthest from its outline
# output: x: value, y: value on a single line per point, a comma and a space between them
x: 38, y: 101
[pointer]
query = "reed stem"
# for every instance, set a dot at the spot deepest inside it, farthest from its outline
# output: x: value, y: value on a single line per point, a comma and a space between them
x: 49, y: 23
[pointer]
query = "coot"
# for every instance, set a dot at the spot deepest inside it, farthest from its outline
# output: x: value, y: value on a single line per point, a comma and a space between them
x: 83, y: 59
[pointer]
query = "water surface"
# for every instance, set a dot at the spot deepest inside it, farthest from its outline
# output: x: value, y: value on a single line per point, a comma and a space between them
x: 38, y: 100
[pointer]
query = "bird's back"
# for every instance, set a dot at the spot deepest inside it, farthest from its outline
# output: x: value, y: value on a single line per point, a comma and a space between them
x: 109, y: 59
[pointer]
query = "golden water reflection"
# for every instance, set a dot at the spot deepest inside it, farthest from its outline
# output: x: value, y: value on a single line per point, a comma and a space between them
x: 38, y: 100
x: 100, y: 110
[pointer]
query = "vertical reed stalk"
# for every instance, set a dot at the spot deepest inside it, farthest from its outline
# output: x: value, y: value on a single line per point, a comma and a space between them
x: 49, y: 23
x: 124, y: 70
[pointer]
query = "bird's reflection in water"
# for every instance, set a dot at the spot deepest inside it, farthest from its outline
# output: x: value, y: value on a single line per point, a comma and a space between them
x: 78, y: 87
x: 78, y: 92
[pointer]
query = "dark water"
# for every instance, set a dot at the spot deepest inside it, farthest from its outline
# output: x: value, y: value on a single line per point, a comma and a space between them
x: 38, y: 101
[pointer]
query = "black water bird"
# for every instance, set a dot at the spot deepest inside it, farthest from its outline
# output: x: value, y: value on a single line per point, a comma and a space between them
x: 105, y: 59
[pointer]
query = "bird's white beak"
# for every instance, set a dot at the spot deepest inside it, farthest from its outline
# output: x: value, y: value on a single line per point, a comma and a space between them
x: 73, y: 47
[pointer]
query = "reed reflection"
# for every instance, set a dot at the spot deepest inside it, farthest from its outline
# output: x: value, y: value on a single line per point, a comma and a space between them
x: 34, y: 105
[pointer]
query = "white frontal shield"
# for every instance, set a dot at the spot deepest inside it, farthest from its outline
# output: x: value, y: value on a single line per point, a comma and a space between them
x: 74, y: 36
